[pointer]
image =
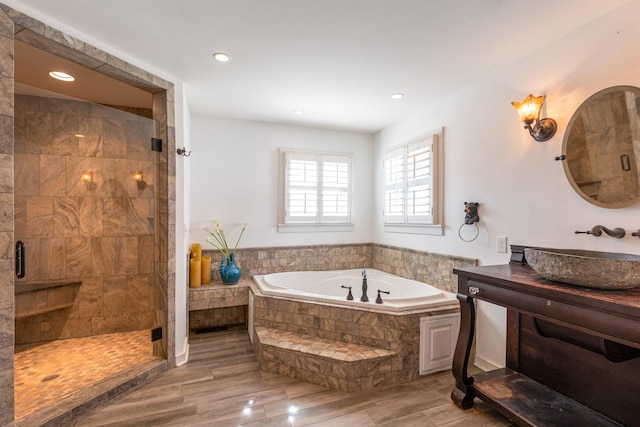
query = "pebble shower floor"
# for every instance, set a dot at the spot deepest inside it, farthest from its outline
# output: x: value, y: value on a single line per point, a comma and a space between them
x: 46, y: 373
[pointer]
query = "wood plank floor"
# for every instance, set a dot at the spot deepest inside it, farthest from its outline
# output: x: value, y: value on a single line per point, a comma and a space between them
x: 221, y: 385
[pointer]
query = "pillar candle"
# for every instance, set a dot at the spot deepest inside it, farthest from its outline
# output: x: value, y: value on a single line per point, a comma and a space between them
x: 196, y: 250
x: 206, y: 270
x: 195, y: 275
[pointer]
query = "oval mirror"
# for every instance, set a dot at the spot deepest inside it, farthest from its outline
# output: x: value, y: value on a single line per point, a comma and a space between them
x: 602, y: 148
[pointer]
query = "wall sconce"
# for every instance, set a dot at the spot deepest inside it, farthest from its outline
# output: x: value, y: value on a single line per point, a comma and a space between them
x: 139, y: 179
x: 529, y: 111
x: 87, y: 178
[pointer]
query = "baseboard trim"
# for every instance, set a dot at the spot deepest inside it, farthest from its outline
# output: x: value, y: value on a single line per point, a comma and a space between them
x: 183, y: 357
x: 484, y: 364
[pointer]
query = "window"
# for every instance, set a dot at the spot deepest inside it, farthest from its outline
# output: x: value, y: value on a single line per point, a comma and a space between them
x: 317, y: 188
x: 411, y: 187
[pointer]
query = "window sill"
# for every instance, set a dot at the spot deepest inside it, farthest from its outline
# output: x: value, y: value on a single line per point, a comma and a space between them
x: 312, y: 228
x: 429, y: 229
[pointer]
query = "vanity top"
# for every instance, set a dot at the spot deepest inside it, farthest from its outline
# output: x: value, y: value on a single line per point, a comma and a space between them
x: 519, y: 276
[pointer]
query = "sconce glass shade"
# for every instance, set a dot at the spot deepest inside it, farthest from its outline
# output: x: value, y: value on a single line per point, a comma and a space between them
x: 529, y: 109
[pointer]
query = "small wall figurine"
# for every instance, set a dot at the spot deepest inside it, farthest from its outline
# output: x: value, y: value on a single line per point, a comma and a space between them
x: 471, y: 212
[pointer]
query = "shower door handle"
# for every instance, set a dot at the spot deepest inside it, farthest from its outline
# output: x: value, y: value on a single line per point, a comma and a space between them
x: 20, y: 259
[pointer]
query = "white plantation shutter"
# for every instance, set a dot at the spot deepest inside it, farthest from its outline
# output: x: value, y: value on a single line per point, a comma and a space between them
x: 302, y: 187
x: 394, y: 186
x: 409, y: 183
x: 419, y: 183
x: 335, y: 188
x: 317, y: 188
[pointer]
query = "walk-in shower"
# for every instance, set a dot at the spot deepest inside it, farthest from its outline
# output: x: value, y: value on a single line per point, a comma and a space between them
x: 85, y: 216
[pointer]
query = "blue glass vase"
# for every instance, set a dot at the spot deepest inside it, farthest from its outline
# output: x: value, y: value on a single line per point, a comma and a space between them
x: 229, y: 272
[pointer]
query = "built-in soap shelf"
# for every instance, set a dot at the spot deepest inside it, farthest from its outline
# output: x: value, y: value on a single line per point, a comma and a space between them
x: 37, y: 298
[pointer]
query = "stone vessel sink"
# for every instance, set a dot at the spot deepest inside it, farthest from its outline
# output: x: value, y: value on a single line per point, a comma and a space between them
x: 603, y: 270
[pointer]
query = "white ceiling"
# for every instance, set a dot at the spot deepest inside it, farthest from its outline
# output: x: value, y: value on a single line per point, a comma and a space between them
x: 338, y: 60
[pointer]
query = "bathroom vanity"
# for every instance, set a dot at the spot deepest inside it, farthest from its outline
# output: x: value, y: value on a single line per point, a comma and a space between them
x: 572, y: 353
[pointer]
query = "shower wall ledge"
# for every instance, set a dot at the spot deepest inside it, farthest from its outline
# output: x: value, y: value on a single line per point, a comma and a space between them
x: 33, y: 299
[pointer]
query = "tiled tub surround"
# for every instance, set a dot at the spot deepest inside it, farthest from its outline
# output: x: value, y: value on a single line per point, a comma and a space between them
x: 101, y: 232
x: 15, y: 25
x: 427, y: 267
x: 338, y: 347
x: 335, y: 346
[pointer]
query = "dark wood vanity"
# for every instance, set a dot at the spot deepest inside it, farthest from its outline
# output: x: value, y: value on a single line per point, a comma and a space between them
x: 572, y: 353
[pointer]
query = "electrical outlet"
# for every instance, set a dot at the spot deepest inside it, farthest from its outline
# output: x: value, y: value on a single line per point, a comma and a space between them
x: 501, y: 244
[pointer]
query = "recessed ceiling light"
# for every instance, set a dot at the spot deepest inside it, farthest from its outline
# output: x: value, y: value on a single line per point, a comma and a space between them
x: 61, y: 75
x: 397, y: 95
x: 298, y: 112
x: 221, y: 57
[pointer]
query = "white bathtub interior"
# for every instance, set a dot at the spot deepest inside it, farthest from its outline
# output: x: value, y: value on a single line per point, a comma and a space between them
x: 326, y: 286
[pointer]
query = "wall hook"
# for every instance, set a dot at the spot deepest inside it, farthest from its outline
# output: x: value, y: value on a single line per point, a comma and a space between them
x: 636, y: 233
x: 560, y: 157
x: 183, y: 152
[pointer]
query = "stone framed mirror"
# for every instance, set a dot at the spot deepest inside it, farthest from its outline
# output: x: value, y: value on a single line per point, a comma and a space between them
x: 602, y: 148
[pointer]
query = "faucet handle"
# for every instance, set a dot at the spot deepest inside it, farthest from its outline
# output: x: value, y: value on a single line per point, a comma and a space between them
x: 349, y: 295
x: 379, y: 299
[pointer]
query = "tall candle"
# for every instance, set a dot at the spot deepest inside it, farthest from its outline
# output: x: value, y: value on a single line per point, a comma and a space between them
x: 196, y: 250
x: 195, y: 274
x: 206, y: 269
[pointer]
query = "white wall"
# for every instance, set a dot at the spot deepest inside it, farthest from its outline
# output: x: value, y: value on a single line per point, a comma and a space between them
x: 183, y: 129
x: 491, y: 159
x: 234, y: 178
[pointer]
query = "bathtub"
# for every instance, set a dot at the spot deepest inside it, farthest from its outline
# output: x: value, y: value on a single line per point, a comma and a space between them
x: 326, y: 287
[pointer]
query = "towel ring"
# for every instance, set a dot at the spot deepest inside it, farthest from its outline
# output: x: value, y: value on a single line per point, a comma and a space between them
x: 474, y: 237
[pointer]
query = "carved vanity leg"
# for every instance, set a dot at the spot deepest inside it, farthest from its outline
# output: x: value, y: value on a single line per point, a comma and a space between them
x: 462, y: 394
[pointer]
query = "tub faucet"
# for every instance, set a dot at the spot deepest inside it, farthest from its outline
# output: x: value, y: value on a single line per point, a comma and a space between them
x: 364, y: 297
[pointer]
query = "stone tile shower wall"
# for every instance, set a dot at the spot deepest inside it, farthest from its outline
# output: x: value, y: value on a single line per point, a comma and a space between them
x: 100, y: 232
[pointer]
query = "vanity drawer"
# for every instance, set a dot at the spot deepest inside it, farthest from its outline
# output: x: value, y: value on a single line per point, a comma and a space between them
x: 599, y: 323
